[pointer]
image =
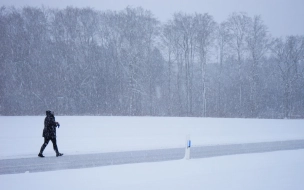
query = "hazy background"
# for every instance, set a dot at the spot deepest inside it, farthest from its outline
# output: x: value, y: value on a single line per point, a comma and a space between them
x: 204, y: 59
x: 281, y: 16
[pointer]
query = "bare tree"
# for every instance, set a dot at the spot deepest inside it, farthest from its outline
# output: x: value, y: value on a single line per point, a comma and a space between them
x: 238, y: 27
x: 185, y: 27
x: 205, y: 34
x: 138, y: 30
x: 258, y: 42
x: 222, y: 43
x: 167, y: 38
x: 289, y: 54
x: 173, y: 40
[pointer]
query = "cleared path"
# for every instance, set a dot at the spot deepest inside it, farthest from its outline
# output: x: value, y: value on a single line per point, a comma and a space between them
x: 22, y: 165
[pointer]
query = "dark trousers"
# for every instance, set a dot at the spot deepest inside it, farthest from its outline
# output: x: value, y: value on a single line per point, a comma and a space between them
x: 46, y: 142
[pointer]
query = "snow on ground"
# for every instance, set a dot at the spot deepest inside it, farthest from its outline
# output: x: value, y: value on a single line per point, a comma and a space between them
x: 283, y: 170
x: 21, y: 137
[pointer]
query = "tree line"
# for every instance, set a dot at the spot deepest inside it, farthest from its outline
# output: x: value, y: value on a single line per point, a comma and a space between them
x: 81, y: 61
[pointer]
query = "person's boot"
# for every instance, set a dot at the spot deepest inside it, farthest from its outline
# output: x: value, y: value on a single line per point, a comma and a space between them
x: 41, y: 151
x: 59, y: 154
x: 57, y: 151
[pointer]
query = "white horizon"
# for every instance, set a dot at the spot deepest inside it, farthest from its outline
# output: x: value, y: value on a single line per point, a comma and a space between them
x: 282, y: 17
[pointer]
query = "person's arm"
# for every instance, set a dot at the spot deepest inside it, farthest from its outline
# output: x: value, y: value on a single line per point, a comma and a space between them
x: 57, y: 124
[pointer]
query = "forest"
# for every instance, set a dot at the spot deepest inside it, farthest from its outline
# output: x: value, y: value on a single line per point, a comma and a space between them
x: 82, y: 61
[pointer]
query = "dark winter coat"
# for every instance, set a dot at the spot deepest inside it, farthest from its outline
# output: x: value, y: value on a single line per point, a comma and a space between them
x: 50, y: 125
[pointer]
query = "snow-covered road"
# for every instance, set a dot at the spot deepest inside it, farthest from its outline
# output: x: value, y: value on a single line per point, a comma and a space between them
x: 23, y: 165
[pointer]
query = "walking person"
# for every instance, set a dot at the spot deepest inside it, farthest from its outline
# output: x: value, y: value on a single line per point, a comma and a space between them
x: 49, y: 133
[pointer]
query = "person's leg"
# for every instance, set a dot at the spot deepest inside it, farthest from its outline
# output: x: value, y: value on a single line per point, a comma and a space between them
x: 54, y: 141
x: 54, y: 144
x: 46, y: 141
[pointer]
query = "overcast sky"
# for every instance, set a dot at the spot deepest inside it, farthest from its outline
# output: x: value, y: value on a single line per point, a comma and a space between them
x: 283, y: 17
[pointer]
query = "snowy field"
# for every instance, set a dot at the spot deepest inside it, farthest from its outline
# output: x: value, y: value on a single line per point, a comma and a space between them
x: 283, y: 170
x: 20, y: 137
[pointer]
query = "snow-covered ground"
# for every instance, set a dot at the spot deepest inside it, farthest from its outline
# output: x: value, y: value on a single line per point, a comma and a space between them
x: 282, y: 170
x: 21, y: 137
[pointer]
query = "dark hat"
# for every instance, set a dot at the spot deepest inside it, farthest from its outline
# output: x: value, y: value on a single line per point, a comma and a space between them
x: 49, y: 113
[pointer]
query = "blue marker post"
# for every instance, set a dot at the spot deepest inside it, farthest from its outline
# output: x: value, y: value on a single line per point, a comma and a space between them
x: 188, y: 146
